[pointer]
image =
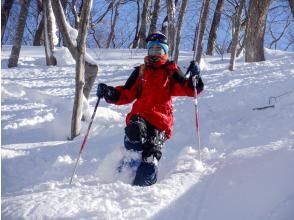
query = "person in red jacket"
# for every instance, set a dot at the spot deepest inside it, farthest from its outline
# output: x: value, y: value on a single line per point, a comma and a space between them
x: 152, y: 86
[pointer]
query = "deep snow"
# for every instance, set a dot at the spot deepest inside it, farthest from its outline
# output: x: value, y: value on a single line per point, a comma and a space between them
x: 248, y: 155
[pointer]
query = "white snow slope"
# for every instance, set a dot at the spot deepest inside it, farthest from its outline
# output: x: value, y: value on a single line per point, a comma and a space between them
x: 248, y: 155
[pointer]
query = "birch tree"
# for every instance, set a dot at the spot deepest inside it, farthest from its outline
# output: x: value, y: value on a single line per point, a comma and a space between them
x: 140, y: 38
x: 14, y: 56
x: 214, y: 26
x: 80, y: 69
x: 171, y: 14
x: 257, y: 13
x: 237, y: 26
x: 200, y: 30
x: 113, y: 24
x: 5, y: 11
x: 48, y: 33
x: 39, y: 35
x: 154, y: 18
x: 291, y: 3
x: 91, y: 68
x: 135, y: 42
x: 179, y: 29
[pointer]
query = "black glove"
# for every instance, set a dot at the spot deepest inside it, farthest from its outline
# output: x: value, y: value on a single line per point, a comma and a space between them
x: 102, y: 90
x: 109, y: 93
x: 199, y: 83
x: 194, y: 69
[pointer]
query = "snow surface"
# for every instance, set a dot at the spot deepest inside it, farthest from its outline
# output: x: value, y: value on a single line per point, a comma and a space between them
x: 248, y: 155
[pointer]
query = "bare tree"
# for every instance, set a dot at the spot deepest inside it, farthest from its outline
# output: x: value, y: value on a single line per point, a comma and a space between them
x: 164, y: 26
x: 155, y: 14
x: 76, y: 13
x: 80, y: 69
x: 214, y: 26
x: 143, y: 26
x: 237, y: 26
x: 281, y: 32
x: 91, y: 68
x: 200, y: 29
x: 257, y: 13
x: 179, y: 29
x: 135, y: 42
x: 291, y: 3
x: 5, y: 11
x: 48, y: 33
x: 39, y: 34
x: 171, y: 14
x: 13, y: 60
x: 113, y: 24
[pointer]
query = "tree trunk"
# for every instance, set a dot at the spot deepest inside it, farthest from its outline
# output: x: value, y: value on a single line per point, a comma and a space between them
x: 5, y: 11
x: 236, y: 35
x: 164, y: 26
x: 136, y: 39
x: 38, y: 39
x: 48, y: 33
x: 155, y: 15
x: 179, y: 29
x: 144, y: 20
x: 80, y: 69
x: 291, y: 3
x: 254, y: 51
x: 75, y: 13
x: 171, y: 13
x: 91, y: 69
x: 113, y: 24
x: 200, y: 30
x: 214, y: 26
x: 12, y: 62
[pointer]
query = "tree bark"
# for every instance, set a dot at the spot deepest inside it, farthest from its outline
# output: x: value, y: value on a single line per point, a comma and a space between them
x: 164, y: 26
x: 144, y: 20
x: 136, y: 39
x: 113, y: 24
x: 214, y: 26
x: 179, y: 29
x: 80, y: 69
x: 155, y: 15
x: 236, y: 35
x: 5, y: 11
x: 291, y: 3
x: 91, y: 69
x: 254, y: 50
x: 171, y: 13
x: 48, y: 33
x: 200, y: 30
x: 14, y: 56
x: 38, y: 39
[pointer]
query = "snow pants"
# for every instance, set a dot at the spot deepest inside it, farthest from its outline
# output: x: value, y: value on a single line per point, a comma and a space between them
x: 141, y: 136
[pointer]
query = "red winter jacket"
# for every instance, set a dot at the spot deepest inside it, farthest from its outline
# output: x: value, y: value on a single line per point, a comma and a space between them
x: 158, y: 83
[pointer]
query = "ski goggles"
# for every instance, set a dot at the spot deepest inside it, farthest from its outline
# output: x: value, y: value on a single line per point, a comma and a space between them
x: 157, y: 37
x: 150, y: 44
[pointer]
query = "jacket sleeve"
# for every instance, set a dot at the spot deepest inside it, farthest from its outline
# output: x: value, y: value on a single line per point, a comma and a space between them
x: 127, y: 93
x: 183, y: 86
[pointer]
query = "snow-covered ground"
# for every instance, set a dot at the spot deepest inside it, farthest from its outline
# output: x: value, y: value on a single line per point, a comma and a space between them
x: 248, y: 155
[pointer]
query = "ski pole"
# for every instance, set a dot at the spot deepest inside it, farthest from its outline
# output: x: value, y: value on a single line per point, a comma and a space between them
x: 195, y: 82
x: 85, y: 139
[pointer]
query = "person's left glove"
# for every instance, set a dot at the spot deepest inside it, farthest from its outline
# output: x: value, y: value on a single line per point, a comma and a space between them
x: 102, y: 90
x: 194, y: 69
x: 109, y: 93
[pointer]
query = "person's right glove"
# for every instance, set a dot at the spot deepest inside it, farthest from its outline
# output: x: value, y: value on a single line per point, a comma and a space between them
x: 109, y: 93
